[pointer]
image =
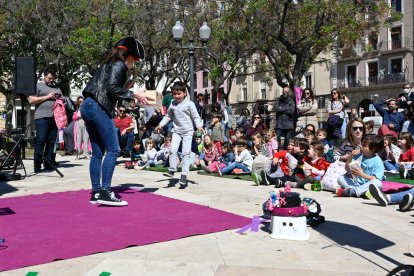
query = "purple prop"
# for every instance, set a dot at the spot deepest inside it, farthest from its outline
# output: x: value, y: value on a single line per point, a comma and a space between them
x: 254, y: 225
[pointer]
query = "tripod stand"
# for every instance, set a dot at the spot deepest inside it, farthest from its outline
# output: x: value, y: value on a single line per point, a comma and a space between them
x: 17, y: 152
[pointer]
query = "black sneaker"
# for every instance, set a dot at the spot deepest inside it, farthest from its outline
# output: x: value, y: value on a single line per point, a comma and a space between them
x: 263, y: 177
x: 169, y: 173
x: 108, y: 198
x: 94, y: 197
x: 379, y: 196
x: 183, y: 181
x: 406, y: 203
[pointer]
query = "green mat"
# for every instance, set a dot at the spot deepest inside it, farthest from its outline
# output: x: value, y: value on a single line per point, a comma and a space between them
x: 394, y: 178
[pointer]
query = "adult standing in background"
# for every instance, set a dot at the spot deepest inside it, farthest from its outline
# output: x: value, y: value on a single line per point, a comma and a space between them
x: 307, y: 109
x: 46, y: 130
x: 336, y: 106
x: 285, y: 116
x: 98, y: 108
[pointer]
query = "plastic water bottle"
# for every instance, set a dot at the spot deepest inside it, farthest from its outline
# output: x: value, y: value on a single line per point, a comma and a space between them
x: 317, y: 184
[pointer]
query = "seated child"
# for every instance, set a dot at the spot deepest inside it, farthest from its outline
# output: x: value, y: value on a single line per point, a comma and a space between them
x: 227, y: 157
x: 370, y: 170
x: 280, y: 169
x: 262, y: 156
x: 387, y: 155
x: 315, y: 165
x: 210, y: 154
x: 327, y: 148
x: 136, y: 152
x: 271, y: 140
x: 165, y: 150
x: 239, y: 134
x: 300, y: 151
x: 406, y: 159
x: 149, y: 157
x: 242, y: 159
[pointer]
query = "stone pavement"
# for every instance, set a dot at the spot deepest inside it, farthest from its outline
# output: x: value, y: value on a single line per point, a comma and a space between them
x: 358, y: 238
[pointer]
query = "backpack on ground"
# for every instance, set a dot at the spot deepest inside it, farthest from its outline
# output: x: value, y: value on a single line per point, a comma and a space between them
x: 59, y: 112
x: 313, y: 217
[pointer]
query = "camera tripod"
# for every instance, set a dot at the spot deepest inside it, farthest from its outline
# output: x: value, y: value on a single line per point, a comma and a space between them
x: 17, y: 152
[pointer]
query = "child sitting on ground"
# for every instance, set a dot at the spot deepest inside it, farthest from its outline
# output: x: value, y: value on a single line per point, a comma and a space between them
x: 136, y: 152
x: 164, y: 152
x: 243, y: 160
x: 262, y: 155
x: 387, y: 155
x: 271, y: 140
x: 315, y: 165
x: 300, y: 151
x: 149, y: 157
x: 406, y: 159
x: 210, y: 154
x: 227, y: 157
x: 370, y: 170
x: 281, y: 168
x: 327, y: 148
x: 239, y: 134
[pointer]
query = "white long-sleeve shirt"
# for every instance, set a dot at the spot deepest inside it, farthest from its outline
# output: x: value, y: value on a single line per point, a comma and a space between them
x: 184, y: 115
x: 245, y: 157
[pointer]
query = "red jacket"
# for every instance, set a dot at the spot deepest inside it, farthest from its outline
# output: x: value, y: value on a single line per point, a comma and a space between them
x: 320, y: 164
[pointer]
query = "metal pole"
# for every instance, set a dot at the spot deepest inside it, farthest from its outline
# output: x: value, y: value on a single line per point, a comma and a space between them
x: 191, y: 50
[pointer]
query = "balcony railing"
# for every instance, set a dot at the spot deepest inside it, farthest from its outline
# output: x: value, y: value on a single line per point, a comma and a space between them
x: 373, y: 80
x: 399, y: 43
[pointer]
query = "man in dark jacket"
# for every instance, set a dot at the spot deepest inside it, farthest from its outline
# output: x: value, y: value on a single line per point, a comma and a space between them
x: 285, y: 115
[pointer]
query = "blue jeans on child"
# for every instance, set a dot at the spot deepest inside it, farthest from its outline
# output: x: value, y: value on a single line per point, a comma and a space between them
x: 346, y: 182
x: 391, y: 166
x: 397, y: 197
x: 104, y: 139
x: 235, y: 165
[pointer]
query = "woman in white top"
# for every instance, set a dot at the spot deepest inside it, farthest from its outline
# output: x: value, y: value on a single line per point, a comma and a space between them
x: 307, y: 109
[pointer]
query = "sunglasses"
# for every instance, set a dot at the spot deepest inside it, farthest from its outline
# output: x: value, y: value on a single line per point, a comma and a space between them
x: 358, y: 128
x: 311, y: 130
x: 121, y: 111
x: 256, y: 117
x: 306, y: 93
x: 333, y: 93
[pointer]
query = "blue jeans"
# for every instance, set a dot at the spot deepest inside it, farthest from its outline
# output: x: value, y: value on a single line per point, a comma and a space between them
x: 127, y: 137
x: 235, y: 165
x: 104, y: 139
x: 287, y: 133
x: 176, y: 140
x: 346, y: 182
x: 397, y: 197
x: 46, y: 133
x: 391, y: 166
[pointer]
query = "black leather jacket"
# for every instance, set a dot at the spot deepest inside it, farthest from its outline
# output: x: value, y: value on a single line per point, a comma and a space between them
x: 106, y: 86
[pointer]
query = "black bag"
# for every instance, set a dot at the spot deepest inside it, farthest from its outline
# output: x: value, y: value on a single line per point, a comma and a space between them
x: 334, y: 125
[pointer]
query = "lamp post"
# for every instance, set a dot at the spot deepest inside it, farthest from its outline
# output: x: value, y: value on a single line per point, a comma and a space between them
x: 178, y: 31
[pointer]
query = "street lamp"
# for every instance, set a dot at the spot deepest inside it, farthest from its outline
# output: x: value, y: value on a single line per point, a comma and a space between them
x: 178, y: 31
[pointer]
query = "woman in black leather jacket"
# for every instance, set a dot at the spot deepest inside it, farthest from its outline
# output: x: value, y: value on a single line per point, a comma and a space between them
x: 101, y: 95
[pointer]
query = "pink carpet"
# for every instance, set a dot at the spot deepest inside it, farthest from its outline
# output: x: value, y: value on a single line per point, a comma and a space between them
x: 42, y: 228
x: 394, y: 187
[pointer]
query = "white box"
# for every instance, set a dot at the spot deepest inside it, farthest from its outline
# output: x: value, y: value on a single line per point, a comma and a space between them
x: 289, y: 228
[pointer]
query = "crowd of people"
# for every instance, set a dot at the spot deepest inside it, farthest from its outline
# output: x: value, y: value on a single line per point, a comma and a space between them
x: 183, y: 134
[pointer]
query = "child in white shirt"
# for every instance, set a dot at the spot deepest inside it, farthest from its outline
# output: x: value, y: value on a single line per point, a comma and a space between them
x: 243, y: 159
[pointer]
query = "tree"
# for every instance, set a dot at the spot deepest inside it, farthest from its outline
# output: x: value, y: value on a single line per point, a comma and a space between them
x: 292, y: 36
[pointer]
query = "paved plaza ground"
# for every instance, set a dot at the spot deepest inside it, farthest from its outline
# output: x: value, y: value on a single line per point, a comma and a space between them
x: 358, y: 238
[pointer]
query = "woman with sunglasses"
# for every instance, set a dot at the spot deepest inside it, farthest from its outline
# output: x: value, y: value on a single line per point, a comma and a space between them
x: 336, y: 106
x: 307, y: 109
x: 101, y: 94
x: 257, y: 125
x: 355, y: 130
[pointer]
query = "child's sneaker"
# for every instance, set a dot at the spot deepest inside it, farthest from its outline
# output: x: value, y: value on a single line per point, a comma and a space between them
x: 406, y: 203
x: 169, y: 173
x: 308, y: 186
x: 263, y: 178
x: 341, y: 192
x: 94, y: 197
x: 256, y: 178
x: 107, y: 197
x: 378, y: 195
x: 368, y: 195
x: 183, y: 181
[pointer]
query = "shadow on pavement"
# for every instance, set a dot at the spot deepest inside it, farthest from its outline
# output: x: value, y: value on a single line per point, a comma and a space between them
x: 356, y: 237
x: 5, y: 188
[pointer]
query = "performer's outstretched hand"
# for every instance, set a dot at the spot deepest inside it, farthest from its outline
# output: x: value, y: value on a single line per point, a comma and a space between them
x: 141, y: 97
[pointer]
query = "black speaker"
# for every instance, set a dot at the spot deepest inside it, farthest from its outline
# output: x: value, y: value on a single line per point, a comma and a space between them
x: 25, y: 75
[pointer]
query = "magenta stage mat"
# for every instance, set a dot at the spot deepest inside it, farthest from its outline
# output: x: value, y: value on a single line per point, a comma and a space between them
x: 43, y: 228
x: 393, y: 187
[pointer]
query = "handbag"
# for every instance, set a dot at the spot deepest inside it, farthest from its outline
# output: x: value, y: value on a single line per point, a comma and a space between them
x: 330, y: 179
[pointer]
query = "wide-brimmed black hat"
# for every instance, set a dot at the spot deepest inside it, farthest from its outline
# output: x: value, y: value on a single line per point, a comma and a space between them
x: 132, y: 46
